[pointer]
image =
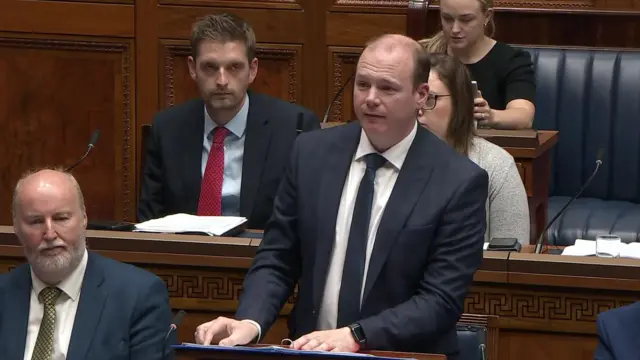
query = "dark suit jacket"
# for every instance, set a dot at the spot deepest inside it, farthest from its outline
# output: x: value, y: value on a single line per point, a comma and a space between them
x: 172, y: 174
x: 428, y: 245
x: 123, y: 313
x: 618, y: 333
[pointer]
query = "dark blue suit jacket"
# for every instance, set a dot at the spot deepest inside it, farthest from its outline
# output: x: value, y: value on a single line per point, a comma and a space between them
x: 428, y: 245
x: 618, y: 333
x: 123, y: 313
x: 173, y: 159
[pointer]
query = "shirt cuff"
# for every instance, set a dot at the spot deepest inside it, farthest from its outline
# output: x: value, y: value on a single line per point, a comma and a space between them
x: 257, y: 327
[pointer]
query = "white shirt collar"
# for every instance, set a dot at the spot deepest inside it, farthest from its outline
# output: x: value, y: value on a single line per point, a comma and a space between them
x: 237, y: 125
x: 394, y: 155
x: 71, y: 285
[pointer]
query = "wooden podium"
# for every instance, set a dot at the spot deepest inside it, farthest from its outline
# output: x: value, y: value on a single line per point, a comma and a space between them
x: 194, y: 354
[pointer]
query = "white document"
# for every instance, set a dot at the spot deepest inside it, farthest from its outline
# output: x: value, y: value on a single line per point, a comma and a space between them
x: 588, y: 248
x: 177, y: 223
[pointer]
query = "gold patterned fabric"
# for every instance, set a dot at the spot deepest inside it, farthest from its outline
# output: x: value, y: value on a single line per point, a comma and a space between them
x: 44, y: 343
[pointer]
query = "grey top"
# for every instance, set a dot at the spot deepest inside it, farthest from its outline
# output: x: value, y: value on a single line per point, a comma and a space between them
x: 507, y: 205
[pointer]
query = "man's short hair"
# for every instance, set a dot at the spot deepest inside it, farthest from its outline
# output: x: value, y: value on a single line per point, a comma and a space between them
x: 72, y: 179
x: 223, y: 28
x: 421, y: 63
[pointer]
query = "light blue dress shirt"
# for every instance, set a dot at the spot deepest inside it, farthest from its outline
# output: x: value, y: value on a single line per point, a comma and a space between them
x: 233, y: 154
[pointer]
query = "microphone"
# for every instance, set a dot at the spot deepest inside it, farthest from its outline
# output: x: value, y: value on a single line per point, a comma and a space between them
x: 299, y: 123
x: 177, y: 320
x: 335, y: 98
x: 540, y: 240
x: 92, y: 144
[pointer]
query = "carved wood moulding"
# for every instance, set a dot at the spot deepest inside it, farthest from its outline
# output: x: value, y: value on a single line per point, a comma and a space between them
x: 542, y: 305
x: 124, y: 50
x: 212, y: 287
x: 340, y: 76
x: 256, y: 4
x: 182, y: 50
x: 291, y: 57
x: 582, y: 4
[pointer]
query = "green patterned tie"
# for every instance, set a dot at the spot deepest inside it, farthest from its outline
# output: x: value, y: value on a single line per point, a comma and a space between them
x: 44, y: 344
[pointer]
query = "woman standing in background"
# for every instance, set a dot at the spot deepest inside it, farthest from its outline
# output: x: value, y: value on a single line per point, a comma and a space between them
x: 505, y: 75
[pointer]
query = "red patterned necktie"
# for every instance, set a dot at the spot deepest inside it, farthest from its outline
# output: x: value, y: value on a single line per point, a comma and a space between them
x: 210, y: 203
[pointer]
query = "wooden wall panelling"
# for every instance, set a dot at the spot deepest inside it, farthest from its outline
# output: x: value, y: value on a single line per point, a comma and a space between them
x: 147, y: 75
x: 300, y: 39
x: 68, y: 18
x: 343, y: 61
x: 56, y: 90
x: 279, y: 72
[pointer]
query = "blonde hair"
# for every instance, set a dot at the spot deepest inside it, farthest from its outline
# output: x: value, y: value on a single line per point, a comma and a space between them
x: 438, y: 42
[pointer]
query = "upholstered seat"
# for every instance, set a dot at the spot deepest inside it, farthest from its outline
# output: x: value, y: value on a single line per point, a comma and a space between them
x: 593, y: 98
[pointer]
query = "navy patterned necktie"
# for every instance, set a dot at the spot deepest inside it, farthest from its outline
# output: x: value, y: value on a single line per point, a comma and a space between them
x: 353, y: 271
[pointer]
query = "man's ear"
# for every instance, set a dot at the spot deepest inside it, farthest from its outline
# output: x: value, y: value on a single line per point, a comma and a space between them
x: 253, y: 70
x: 192, y: 67
x: 422, y: 93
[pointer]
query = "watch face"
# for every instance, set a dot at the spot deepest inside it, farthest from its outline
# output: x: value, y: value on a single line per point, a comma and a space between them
x: 357, y: 332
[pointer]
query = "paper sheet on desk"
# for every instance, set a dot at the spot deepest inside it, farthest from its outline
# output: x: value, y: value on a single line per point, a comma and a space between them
x: 588, y: 248
x: 280, y: 350
x: 177, y: 223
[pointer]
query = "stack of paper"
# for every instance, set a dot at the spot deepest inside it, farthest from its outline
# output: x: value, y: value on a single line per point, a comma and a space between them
x: 588, y: 248
x: 181, y: 223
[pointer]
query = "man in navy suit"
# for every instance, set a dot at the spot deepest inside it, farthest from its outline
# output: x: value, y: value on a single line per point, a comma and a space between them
x: 618, y: 333
x: 68, y: 302
x: 255, y: 132
x: 378, y: 222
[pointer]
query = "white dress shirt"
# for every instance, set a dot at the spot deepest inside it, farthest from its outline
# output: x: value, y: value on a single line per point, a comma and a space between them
x: 384, y: 182
x: 66, y: 307
x: 233, y: 156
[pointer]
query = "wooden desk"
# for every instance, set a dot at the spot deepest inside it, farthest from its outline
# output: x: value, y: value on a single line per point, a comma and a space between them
x: 547, y: 304
x: 534, y: 165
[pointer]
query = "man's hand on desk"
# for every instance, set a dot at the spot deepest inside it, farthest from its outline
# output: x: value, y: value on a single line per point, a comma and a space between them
x: 339, y: 340
x: 226, y: 332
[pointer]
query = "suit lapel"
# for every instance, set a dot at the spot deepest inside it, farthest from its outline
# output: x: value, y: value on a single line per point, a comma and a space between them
x: 411, y: 181
x: 92, y: 299
x: 15, y: 313
x: 256, y: 148
x: 338, y: 162
x: 192, y: 147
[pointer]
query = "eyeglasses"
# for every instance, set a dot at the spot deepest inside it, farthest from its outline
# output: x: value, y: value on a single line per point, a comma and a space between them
x: 432, y: 99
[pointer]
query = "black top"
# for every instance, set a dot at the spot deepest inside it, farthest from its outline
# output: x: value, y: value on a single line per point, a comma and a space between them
x: 503, y: 75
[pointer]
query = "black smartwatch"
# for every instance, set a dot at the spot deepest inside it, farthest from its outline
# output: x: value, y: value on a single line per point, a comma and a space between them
x: 358, y: 335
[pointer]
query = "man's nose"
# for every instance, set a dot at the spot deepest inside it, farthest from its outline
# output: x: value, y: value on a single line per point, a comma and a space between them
x: 223, y: 79
x: 49, y: 231
x: 372, y: 99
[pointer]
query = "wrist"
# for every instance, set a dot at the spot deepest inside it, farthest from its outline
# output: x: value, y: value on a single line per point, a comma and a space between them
x: 358, y: 336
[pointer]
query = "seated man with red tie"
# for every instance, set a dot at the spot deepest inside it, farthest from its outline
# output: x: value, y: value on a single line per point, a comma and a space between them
x: 224, y: 153
x: 67, y: 302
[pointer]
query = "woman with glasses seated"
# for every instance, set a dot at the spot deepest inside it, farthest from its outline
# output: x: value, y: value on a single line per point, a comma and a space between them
x: 448, y: 113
